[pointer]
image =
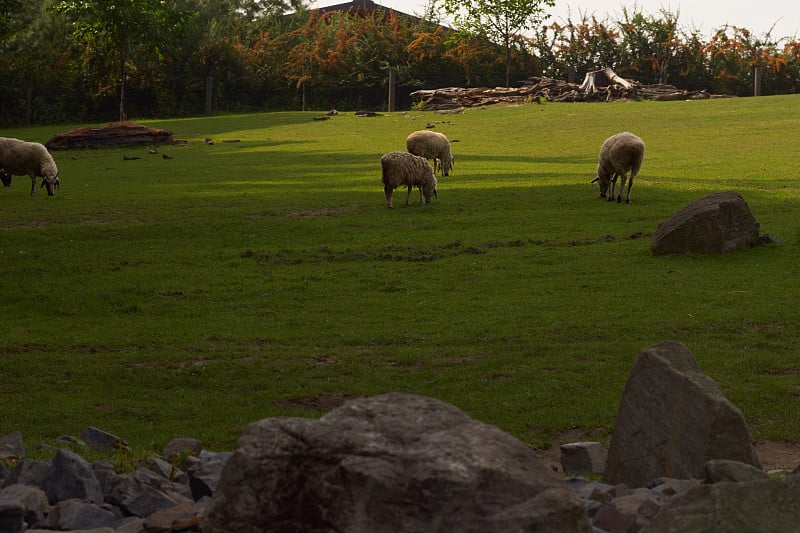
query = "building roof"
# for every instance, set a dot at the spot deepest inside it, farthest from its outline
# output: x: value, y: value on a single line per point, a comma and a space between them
x: 363, y: 7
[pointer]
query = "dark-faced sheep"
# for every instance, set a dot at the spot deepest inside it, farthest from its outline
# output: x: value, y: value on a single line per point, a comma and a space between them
x: 21, y: 158
x: 402, y: 168
x: 619, y: 154
x: 432, y: 145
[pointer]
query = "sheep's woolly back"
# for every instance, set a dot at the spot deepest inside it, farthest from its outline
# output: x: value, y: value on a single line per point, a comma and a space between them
x: 402, y: 168
x: 431, y: 145
x: 620, y: 154
x: 21, y: 158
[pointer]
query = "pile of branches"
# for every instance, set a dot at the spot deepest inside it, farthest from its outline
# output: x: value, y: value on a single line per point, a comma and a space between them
x: 115, y: 134
x: 598, y: 86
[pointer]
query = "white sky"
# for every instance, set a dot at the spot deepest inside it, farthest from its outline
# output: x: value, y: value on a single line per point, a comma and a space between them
x: 758, y: 16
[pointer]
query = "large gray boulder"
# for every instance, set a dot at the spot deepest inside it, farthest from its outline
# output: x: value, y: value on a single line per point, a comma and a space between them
x: 746, y: 507
x: 713, y: 224
x: 389, y: 463
x: 672, y: 419
x: 71, y: 476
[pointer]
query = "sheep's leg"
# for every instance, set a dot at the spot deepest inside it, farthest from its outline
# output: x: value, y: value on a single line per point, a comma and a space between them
x: 622, y: 181
x: 612, y: 185
x: 389, y: 193
x: 421, y: 199
x: 33, y: 185
x: 630, y: 184
x: 408, y: 195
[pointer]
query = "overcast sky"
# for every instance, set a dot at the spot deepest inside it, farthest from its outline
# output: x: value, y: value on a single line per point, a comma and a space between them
x: 706, y: 16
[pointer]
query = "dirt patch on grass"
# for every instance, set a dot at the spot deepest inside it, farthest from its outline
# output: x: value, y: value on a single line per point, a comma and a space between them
x: 778, y: 455
x: 307, y: 213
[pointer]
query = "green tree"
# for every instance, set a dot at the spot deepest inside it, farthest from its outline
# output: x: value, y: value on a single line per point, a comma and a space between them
x: 117, y: 30
x: 33, y: 59
x: 11, y: 10
x: 498, y: 20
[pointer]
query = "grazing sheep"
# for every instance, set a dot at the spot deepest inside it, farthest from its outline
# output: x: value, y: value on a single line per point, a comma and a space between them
x: 19, y: 158
x: 402, y: 168
x: 432, y: 145
x: 619, y: 154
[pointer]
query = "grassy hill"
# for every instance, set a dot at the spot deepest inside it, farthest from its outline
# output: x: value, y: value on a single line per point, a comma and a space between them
x: 189, y: 296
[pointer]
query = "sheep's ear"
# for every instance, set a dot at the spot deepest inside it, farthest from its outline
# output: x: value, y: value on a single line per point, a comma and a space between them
x: 595, y: 180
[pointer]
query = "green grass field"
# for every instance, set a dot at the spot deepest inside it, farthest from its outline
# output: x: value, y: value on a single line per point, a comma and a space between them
x: 156, y: 298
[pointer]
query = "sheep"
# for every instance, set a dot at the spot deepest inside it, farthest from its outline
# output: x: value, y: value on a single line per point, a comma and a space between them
x: 19, y: 158
x: 432, y: 145
x: 402, y: 168
x: 619, y: 154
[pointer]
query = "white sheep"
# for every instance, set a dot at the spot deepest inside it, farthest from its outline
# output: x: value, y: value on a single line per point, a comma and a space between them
x: 402, y: 168
x: 432, y: 145
x: 20, y: 158
x: 619, y: 154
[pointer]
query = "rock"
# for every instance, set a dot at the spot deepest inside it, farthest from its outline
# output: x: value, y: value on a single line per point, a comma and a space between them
x: 671, y: 420
x: 394, y: 462
x: 11, y: 516
x: 131, y: 524
x: 71, y: 476
x: 205, y: 475
x: 177, y: 450
x: 178, y: 518
x: 755, y: 506
x: 609, y: 518
x: 583, y: 458
x: 72, y: 514
x: 102, y: 440
x: 716, y: 223
x: 770, y: 239
x: 29, y: 472
x: 34, y: 502
x: 670, y: 486
x: 722, y: 470
x: 11, y: 446
x: 167, y: 470
x: 136, y: 498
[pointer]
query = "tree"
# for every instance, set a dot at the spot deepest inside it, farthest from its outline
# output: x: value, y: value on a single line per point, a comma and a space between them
x: 31, y: 59
x: 11, y: 10
x: 118, y: 29
x: 498, y: 20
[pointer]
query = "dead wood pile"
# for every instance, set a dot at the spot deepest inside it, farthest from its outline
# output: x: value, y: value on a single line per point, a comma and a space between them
x: 599, y: 86
x: 112, y: 135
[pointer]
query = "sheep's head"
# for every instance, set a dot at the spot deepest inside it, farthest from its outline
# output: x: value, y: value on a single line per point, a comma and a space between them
x: 51, y: 183
x: 603, y: 181
x: 429, y: 191
x: 447, y: 164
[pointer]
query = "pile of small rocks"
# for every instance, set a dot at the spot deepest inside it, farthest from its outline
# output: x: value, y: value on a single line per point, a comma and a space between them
x: 67, y: 493
x: 171, y: 493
